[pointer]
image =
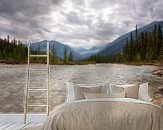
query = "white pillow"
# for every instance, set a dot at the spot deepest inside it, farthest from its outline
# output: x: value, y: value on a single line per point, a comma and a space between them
x: 143, y: 92
x: 131, y: 90
x: 104, y: 95
x: 70, y: 92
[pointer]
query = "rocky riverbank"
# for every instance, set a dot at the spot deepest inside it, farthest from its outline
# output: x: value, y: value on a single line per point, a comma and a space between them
x: 158, y: 95
x: 4, y: 65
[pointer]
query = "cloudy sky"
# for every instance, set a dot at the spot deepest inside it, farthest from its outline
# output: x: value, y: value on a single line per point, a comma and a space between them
x: 78, y: 23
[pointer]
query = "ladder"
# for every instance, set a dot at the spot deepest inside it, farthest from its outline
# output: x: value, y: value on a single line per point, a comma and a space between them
x: 29, y: 89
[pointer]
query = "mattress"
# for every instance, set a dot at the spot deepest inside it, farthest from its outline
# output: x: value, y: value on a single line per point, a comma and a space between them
x: 105, y: 114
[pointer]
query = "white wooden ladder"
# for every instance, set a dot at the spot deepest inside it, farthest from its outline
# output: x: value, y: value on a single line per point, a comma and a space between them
x: 37, y: 89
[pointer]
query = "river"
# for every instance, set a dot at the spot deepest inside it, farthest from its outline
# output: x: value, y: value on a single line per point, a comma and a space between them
x: 12, y: 81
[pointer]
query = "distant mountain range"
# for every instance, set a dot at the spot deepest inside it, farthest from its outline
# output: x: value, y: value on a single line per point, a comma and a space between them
x: 117, y: 45
x: 58, y: 46
x: 80, y: 53
x: 88, y: 52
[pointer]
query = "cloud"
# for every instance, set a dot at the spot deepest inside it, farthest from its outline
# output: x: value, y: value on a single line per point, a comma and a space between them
x: 79, y: 23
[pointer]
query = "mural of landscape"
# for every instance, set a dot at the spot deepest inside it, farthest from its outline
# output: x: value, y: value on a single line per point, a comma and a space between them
x: 90, y: 42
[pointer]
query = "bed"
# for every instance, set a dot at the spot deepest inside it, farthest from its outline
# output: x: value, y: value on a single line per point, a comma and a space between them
x: 106, y: 112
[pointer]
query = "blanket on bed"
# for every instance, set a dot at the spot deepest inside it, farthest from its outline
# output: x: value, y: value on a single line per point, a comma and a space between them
x: 105, y: 114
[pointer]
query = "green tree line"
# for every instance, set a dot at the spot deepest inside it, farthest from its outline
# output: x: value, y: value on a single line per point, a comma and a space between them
x: 54, y: 59
x: 67, y: 58
x: 117, y: 58
x: 144, y: 47
x: 12, y: 50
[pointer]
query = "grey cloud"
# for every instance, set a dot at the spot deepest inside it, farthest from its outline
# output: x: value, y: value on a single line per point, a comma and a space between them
x: 26, y: 16
x: 157, y: 10
x: 78, y: 2
x: 77, y: 18
x: 10, y: 7
x: 127, y: 22
x: 56, y: 2
x: 73, y: 18
x: 97, y: 4
x: 77, y: 22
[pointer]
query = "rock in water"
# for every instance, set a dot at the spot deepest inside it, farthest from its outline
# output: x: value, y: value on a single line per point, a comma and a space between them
x: 158, y: 72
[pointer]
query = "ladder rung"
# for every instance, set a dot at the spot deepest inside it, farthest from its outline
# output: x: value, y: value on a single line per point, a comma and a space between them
x: 34, y: 89
x: 36, y: 105
x: 38, y: 55
x: 38, y: 69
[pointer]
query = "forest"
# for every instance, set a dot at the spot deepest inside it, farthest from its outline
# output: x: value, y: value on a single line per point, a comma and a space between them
x: 140, y: 47
x: 14, y: 52
x: 143, y: 47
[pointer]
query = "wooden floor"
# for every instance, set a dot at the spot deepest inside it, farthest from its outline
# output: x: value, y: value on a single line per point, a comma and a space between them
x: 15, y: 121
x: 17, y: 126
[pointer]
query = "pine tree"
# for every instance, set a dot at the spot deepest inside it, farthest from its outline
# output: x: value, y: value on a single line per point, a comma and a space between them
x: 8, y: 39
x: 70, y: 57
x: 38, y: 50
x: 131, y: 48
x: 65, y: 57
x: 160, y: 42
x: 137, y: 45
x: 126, y: 51
x: 142, y: 51
x: 150, y: 48
x: 55, y: 57
x: 154, y: 43
x: 136, y: 33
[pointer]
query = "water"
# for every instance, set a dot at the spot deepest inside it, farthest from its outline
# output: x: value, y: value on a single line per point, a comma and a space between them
x: 12, y: 81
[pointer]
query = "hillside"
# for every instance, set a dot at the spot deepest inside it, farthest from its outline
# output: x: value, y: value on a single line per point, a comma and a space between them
x: 117, y: 45
x: 58, y: 46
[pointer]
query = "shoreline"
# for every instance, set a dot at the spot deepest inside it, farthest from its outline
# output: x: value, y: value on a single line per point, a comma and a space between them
x: 134, y: 64
x: 11, y: 65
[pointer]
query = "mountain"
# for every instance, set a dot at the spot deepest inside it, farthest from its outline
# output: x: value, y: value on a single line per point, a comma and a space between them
x: 117, y: 45
x: 88, y: 52
x: 82, y: 51
x: 58, y: 46
x: 94, y: 49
